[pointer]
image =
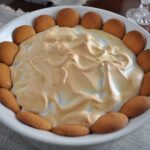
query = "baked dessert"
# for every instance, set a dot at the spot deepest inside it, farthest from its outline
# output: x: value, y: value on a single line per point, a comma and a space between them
x: 72, y: 78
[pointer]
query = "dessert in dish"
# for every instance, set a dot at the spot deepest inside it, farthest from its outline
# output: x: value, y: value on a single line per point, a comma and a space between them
x: 77, y: 75
x: 70, y: 69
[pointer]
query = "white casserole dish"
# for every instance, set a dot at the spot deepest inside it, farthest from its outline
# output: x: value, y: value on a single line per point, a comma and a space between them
x: 46, y: 139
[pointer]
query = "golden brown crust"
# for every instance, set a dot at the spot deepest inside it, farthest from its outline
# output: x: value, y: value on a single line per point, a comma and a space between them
x: 145, y: 87
x: 109, y: 122
x: 34, y: 120
x: 143, y: 60
x: 135, y: 106
x: 23, y: 33
x: 71, y: 130
x: 43, y: 22
x: 5, y: 76
x: 8, y: 51
x: 135, y: 41
x: 115, y: 27
x: 9, y: 100
x: 67, y: 18
x: 92, y: 20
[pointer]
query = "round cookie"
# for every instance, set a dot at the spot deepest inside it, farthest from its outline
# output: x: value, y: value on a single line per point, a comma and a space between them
x: 9, y: 100
x: 71, y: 130
x: 67, y: 18
x: 115, y: 27
x: 135, y: 106
x: 23, y: 33
x: 33, y: 120
x: 109, y: 122
x: 143, y: 60
x: 91, y: 20
x: 135, y: 41
x: 43, y: 22
x: 145, y: 87
x: 8, y: 51
x: 5, y: 76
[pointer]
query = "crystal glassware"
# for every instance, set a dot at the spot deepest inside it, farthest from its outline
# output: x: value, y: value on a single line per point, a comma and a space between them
x: 141, y: 15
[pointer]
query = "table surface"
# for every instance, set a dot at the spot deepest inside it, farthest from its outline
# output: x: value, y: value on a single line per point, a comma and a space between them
x: 117, y: 6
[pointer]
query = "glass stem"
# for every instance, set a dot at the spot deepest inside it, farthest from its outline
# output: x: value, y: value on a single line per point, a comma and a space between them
x: 145, y: 4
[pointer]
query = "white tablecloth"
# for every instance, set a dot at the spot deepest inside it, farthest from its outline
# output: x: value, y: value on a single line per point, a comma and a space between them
x: 139, y: 140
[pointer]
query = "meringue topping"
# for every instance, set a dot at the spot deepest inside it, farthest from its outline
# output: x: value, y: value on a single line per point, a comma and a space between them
x: 74, y: 75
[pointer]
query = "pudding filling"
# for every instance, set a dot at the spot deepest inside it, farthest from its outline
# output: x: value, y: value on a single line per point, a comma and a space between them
x: 74, y: 75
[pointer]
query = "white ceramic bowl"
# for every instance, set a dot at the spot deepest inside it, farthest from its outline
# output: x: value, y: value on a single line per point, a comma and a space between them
x: 7, y: 117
